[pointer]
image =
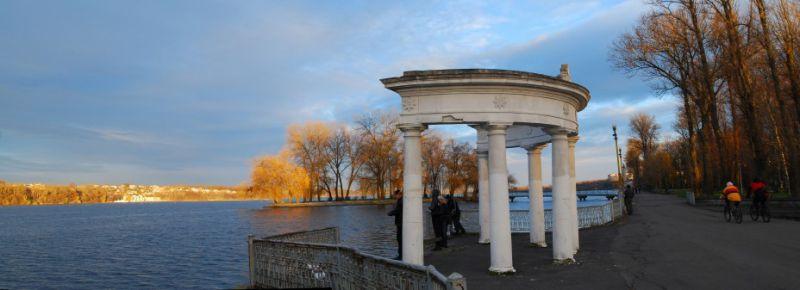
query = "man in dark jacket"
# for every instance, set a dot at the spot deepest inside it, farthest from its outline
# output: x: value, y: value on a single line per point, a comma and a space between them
x: 629, y: 193
x: 455, y: 215
x: 435, y: 218
x: 397, y: 212
x: 440, y: 215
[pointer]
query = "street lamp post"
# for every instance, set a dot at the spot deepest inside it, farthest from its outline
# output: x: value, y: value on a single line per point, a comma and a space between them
x: 618, y: 153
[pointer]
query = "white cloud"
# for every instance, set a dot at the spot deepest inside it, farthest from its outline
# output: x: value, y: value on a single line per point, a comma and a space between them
x: 222, y: 79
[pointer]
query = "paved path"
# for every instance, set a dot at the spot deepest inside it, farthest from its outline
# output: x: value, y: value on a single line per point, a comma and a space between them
x: 665, y: 245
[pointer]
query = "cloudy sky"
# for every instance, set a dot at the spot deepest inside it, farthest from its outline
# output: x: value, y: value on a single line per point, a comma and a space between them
x: 188, y: 92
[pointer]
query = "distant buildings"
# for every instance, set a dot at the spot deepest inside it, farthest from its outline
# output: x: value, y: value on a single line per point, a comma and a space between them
x: 155, y: 193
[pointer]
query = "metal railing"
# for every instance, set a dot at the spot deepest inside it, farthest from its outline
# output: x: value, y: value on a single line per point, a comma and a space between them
x: 313, y: 259
x: 588, y: 216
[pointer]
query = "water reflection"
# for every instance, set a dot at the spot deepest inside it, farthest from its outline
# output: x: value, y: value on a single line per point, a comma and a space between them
x: 170, y: 245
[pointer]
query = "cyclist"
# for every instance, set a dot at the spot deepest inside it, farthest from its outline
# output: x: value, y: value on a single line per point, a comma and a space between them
x: 731, y: 194
x: 758, y: 189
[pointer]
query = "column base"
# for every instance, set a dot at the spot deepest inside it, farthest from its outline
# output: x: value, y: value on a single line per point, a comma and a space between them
x: 484, y: 242
x: 566, y: 261
x: 502, y: 270
x: 539, y: 245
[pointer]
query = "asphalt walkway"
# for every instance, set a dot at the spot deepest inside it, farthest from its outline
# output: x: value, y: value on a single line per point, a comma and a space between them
x: 666, y: 244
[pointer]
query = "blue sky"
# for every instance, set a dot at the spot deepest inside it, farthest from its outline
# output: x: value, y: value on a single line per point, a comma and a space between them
x: 189, y: 92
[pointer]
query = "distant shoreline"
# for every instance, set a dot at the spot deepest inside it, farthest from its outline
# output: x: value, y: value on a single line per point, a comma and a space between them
x: 341, y: 203
x: 266, y: 202
x: 335, y: 203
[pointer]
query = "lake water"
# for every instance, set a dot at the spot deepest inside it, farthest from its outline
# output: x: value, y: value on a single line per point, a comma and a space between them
x: 166, y: 245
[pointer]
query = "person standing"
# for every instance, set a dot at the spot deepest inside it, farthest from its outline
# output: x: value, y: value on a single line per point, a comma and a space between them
x: 434, y: 218
x: 397, y: 212
x: 455, y: 215
x: 439, y: 215
x: 629, y: 193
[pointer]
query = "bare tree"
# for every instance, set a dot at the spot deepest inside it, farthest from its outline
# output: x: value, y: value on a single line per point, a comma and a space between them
x: 433, y: 160
x: 379, y: 139
x: 308, y: 144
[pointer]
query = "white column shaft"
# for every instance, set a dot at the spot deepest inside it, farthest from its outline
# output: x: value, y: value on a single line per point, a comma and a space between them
x: 412, y: 196
x: 562, y: 233
x: 500, y: 249
x: 484, y: 200
x: 573, y: 204
x: 536, y: 197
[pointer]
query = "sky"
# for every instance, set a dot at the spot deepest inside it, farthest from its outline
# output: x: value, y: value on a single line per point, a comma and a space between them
x: 190, y: 92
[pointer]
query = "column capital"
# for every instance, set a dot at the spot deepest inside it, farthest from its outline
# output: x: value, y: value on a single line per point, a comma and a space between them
x: 478, y: 126
x: 411, y: 130
x: 557, y: 132
x: 536, y: 148
x: 497, y: 128
x: 572, y: 140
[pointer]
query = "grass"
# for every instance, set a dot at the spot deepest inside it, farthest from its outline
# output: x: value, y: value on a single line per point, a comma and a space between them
x: 780, y: 194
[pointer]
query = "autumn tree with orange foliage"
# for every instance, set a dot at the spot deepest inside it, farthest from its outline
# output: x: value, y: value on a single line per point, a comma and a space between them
x: 276, y: 177
x: 337, y: 158
x: 736, y: 69
x: 308, y: 143
x: 380, y: 146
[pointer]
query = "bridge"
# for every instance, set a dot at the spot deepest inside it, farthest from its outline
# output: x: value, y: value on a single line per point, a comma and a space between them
x: 582, y: 195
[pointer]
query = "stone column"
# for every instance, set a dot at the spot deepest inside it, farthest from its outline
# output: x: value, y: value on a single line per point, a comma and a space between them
x: 500, y: 248
x: 573, y: 204
x: 536, y: 196
x: 484, y: 200
x: 563, y: 249
x: 412, y: 194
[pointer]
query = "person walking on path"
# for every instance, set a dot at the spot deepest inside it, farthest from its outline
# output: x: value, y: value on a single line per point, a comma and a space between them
x: 440, y: 215
x: 629, y: 193
x: 397, y: 213
x: 455, y: 215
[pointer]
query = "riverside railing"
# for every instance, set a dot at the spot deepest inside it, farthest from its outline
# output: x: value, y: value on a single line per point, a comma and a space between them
x: 314, y: 259
x: 588, y: 216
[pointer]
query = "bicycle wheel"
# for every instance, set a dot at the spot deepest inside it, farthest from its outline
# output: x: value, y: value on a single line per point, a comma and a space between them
x: 765, y: 214
x: 727, y: 213
x: 753, y: 212
x: 738, y: 214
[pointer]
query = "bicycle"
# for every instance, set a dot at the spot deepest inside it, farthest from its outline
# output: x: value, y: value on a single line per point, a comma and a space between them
x: 734, y: 214
x: 755, y: 212
x: 762, y: 212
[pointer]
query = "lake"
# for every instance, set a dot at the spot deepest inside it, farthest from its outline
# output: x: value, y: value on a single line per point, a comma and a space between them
x: 167, y: 245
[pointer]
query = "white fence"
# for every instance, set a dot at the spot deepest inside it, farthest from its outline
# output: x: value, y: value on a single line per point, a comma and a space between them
x: 313, y: 259
x: 588, y: 216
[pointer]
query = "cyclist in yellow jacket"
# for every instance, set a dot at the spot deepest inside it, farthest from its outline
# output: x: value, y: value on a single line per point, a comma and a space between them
x: 731, y: 194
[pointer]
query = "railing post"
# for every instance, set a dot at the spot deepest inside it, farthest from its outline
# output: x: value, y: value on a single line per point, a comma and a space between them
x: 250, y: 254
x: 457, y: 281
x: 613, y: 213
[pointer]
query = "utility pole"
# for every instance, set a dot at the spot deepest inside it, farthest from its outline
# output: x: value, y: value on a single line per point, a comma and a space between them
x: 618, y: 153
